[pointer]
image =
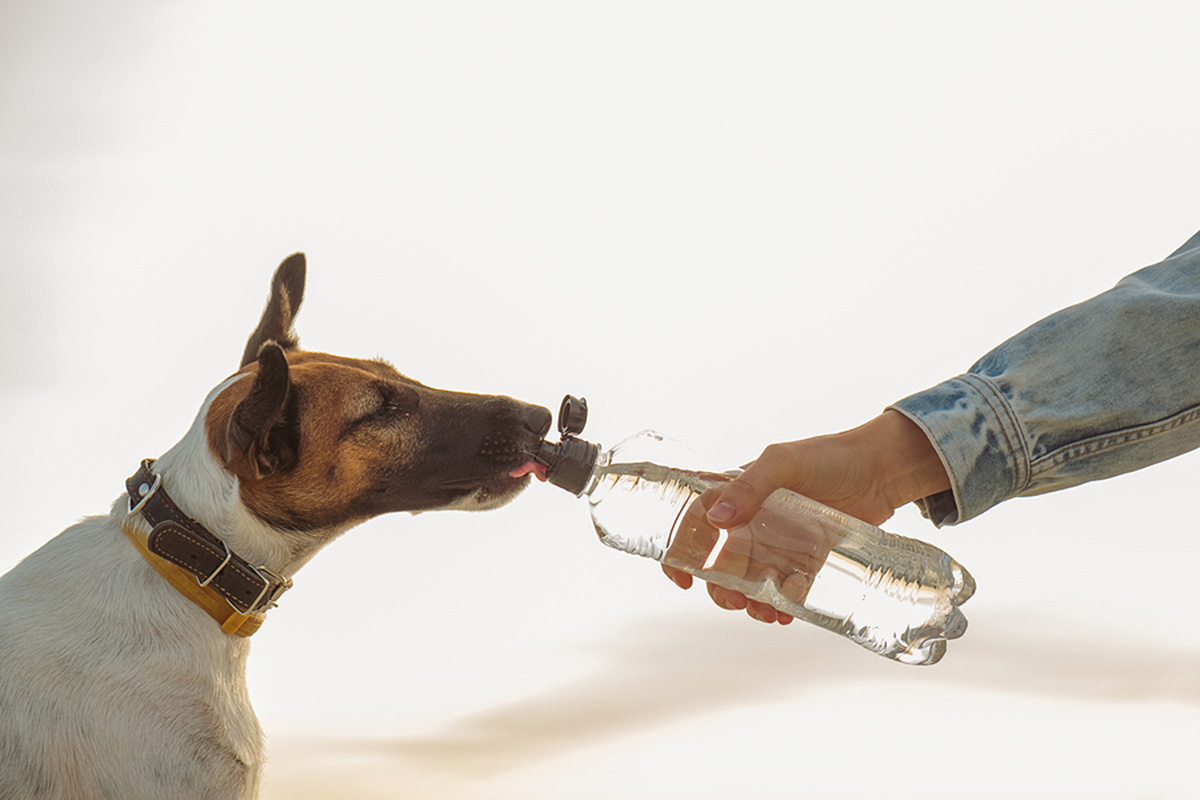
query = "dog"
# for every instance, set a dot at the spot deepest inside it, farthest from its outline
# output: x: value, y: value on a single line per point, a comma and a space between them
x: 123, y: 640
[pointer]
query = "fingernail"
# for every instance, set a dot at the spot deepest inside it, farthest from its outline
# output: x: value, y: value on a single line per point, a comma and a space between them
x: 721, y: 512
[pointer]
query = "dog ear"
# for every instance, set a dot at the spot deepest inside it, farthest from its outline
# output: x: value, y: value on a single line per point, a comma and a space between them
x: 261, y: 437
x: 287, y: 292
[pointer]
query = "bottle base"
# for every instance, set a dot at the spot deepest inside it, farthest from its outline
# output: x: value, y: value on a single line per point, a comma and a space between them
x: 926, y: 653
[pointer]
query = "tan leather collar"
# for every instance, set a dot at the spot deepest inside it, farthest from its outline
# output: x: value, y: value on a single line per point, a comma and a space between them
x: 199, y: 565
x: 228, y: 617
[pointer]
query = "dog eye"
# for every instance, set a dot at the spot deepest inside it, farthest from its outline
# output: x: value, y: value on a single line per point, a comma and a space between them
x: 390, y: 408
x: 393, y: 403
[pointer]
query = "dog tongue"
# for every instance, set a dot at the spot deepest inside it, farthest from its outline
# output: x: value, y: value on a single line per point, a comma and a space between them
x: 530, y: 468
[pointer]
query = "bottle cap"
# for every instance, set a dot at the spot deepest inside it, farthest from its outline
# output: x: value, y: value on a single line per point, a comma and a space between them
x: 569, y: 462
x: 572, y: 415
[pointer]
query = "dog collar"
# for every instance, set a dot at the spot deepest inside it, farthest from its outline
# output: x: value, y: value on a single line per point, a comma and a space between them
x: 199, y: 565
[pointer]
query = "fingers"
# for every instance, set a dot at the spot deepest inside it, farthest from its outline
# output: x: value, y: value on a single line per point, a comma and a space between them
x: 768, y: 614
x: 729, y: 599
x: 740, y: 499
x: 734, y: 504
x: 680, y: 578
x: 735, y: 601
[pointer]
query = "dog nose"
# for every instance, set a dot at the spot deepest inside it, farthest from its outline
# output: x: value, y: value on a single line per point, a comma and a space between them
x: 538, y: 420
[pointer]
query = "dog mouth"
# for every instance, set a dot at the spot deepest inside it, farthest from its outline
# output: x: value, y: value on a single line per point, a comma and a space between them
x: 512, y: 477
x: 529, y: 468
x: 486, y: 492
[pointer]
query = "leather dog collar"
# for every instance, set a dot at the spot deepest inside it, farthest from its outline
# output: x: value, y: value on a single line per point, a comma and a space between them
x: 198, y: 564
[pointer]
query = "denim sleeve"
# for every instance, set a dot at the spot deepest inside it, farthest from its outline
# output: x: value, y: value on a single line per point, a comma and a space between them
x: 1097, y: 389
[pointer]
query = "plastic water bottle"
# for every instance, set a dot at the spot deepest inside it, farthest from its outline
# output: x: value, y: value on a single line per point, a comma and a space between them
x: 895, y: 596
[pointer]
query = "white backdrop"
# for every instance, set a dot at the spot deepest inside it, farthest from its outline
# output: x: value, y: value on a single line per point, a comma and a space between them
x: 737, y: 223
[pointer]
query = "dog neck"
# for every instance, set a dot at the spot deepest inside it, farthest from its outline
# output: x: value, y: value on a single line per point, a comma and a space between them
x: 210, y: 494
x: 202, y: 567
x: 203, y: 540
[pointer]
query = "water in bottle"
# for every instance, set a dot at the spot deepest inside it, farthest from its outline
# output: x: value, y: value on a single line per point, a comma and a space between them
x: 896, y: 596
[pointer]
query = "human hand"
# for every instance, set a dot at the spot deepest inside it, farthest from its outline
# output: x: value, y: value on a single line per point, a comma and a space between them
x: 867, y: 472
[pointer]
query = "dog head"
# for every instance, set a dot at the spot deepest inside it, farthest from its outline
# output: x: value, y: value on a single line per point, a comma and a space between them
x: 321, y: 442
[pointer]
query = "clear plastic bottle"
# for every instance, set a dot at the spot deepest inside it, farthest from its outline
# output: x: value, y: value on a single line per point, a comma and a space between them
x: 895, y: 596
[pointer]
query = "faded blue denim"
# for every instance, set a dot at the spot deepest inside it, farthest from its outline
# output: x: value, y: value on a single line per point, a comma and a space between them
x: 1094, y: 390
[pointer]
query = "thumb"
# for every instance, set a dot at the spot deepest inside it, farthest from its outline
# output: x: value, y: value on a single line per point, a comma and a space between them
x: 735, y: 503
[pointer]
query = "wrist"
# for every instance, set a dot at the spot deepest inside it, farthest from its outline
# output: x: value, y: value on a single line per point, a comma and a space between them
x: 906, y: 465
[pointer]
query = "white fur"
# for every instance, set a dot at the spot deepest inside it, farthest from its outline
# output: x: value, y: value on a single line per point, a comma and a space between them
x: 112, y: 684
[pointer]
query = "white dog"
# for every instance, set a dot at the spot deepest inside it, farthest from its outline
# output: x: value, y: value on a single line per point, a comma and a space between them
x: 123, y: 639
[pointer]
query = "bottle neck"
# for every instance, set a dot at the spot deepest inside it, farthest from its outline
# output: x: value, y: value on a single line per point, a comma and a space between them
x: 569, y: 463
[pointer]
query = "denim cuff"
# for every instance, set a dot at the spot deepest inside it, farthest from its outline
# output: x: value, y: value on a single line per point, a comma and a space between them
x: 976, y: 435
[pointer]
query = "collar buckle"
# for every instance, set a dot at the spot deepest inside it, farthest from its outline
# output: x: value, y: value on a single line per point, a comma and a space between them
x: 271, y: 578
x: 144, y: 491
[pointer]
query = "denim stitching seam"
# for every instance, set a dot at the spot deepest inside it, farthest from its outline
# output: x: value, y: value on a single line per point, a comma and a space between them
x: 1107, y: 441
